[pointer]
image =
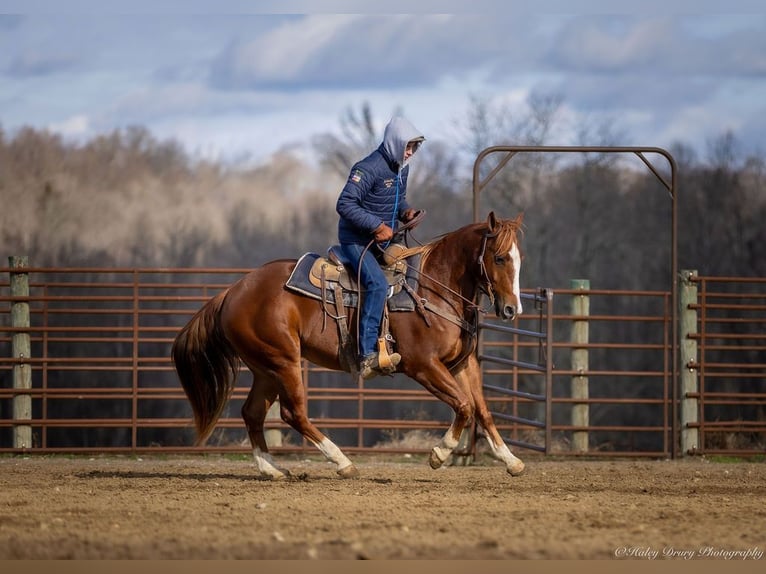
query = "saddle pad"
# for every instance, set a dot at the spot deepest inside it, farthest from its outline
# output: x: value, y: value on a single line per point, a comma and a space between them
x: 299, y: 282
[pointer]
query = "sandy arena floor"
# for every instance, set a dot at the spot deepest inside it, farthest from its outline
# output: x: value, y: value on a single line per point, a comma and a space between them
x: 211, y: 507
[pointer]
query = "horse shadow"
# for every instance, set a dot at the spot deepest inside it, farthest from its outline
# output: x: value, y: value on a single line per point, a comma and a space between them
x: 208, y: 477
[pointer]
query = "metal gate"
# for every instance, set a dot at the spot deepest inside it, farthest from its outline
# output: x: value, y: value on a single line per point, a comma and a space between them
x: 520, y: 402
x: 507, y: 153
x: 723, y: 354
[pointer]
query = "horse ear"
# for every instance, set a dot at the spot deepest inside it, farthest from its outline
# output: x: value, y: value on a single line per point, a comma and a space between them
x: 491, y: 221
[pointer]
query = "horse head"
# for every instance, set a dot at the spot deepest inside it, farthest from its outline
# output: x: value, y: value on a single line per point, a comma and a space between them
x: 500, y: 265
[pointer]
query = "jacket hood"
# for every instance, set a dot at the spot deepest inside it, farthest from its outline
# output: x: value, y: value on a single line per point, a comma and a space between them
x: 398, y: 133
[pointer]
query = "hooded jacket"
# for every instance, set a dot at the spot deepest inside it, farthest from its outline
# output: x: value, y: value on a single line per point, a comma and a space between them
x: 376, y: 189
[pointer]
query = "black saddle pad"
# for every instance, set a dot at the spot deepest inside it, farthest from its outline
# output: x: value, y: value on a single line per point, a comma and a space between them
x: 298, y: 282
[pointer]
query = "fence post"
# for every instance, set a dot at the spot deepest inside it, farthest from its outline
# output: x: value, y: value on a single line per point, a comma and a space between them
x: 688, y: 360
x: 20, y: 348
x: 273, y: 437
x: 579, y: 386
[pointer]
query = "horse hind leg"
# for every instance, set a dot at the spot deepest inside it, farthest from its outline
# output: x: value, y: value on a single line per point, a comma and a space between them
x: 294, y: 411
x: 260, y: 398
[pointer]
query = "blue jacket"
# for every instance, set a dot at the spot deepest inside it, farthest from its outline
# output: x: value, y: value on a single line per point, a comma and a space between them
x: 376, y: 189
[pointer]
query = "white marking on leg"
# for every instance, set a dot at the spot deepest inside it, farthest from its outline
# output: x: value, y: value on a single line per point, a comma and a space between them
x: 516, y: 258
x: 265, y: 464
x: 502, y: 453
x: 446, y: 445
x: 333, y: 453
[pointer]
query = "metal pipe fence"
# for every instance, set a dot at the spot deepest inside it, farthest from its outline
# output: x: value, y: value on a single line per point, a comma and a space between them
x: 101, y: 378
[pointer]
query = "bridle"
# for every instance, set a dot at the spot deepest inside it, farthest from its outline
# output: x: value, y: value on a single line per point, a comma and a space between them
x: 483, y: 274
x: 485, y: 286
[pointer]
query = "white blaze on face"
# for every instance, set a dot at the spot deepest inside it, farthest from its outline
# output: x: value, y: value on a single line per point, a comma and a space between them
x: 516, y: 258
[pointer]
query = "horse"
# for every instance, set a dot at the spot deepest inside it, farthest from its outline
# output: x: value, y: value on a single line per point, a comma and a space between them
x: 271, y: 329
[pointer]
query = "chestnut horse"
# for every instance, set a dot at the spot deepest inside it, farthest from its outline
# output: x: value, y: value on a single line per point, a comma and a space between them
x: 269, y: 328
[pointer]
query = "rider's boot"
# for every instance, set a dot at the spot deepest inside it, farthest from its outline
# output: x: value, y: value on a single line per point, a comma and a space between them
x: 376, y: 364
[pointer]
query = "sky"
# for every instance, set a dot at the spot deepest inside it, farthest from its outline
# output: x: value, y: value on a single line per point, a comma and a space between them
x: 229, y: 81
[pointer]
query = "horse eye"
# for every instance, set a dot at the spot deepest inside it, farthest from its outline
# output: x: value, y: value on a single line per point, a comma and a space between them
x: 499, y: 260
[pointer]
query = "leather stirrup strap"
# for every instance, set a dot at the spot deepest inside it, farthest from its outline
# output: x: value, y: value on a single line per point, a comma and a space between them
x: 384, y: 359
x: 345, y: 353
x: 324, y: 298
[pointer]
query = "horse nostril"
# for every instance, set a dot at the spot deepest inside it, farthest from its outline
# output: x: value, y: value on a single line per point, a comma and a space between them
x: 509, y: 312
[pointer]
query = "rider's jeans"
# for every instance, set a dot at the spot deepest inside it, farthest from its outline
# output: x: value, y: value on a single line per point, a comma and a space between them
x: 374, y: 287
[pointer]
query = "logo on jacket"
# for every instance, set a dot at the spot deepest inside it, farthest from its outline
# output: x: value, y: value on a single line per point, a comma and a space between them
x: 356, y: 175
x: 388, y: 182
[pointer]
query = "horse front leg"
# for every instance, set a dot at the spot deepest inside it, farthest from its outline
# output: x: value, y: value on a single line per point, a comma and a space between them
x: 442, y: 451
x: 437, y: 379
x: 470, y: 375
x: 499, y: 450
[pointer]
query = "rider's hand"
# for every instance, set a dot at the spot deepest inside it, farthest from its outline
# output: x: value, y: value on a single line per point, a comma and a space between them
x: 383, y: 233
x: 409, y: 215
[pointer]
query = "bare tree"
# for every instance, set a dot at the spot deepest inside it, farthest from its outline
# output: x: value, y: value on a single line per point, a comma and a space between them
x: 359, y: 137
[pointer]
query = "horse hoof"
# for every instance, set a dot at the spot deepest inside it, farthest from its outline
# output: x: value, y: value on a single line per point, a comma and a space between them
x: 517, y: 468
x: 274, y: 475
x: 434, y: 461
x: 349, y: 471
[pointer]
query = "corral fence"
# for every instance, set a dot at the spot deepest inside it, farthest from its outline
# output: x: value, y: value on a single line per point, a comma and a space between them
x: 85, y: 367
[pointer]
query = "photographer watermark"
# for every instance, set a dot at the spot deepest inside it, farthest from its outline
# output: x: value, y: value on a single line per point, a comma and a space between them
x: 672, y: 553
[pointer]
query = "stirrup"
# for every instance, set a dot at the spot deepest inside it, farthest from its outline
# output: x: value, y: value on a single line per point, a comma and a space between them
x: 380, y: 364
x: 387, y: 362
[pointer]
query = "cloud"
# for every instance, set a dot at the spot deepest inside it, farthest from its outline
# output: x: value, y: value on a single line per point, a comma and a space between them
x: 278, y: 57
x: 353, y: 51
x: 594, y: 92
x: 32, y: 64
x: 658, y: 47
x: 10, y: 21
x: 608, y: 45
x: 74, y: 127
x: 345, y: 51
x: 223, y: 79
x: 665, y: 78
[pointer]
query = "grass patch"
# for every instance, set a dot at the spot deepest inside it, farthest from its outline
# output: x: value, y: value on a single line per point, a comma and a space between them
x: 729, y: 459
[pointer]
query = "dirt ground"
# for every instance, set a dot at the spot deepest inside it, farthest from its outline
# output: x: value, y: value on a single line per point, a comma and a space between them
x: 212, y: 507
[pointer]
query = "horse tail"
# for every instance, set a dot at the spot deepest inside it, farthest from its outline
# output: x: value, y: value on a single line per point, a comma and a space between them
x: 206, y: 364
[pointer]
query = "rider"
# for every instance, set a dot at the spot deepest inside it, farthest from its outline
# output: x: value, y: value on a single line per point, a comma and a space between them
x: 371, y: 202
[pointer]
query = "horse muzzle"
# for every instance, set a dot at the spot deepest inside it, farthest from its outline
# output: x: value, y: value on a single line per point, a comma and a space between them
x: 505, y: 312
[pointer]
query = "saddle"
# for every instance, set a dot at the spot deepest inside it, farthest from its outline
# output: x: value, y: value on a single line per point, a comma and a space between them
x: 332, y: 281
x: 335, y: 269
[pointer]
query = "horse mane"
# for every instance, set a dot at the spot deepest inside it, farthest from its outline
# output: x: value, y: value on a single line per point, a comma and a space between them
x: 506, y: 234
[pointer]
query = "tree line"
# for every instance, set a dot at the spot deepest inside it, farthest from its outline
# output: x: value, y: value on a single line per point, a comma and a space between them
x: 128, y: 199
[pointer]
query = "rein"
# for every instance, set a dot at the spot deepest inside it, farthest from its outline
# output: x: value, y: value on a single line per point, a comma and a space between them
x: 424, y: 304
